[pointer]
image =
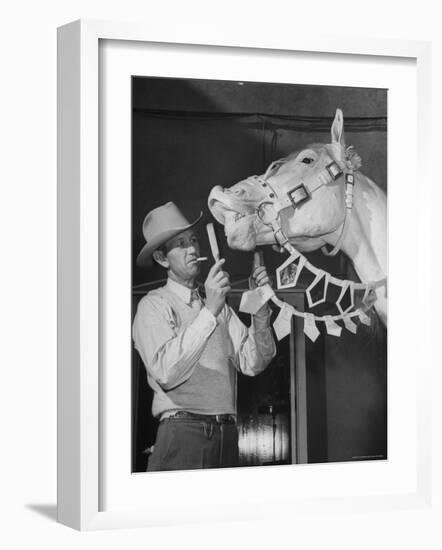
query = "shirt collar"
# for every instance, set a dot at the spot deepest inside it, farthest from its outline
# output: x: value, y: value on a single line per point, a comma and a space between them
x: 180, y: 290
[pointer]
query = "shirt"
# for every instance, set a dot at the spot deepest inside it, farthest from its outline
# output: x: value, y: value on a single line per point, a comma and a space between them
x: 191, y: 357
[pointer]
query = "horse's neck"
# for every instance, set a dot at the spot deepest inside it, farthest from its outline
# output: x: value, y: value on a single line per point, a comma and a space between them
x: 366, y: 240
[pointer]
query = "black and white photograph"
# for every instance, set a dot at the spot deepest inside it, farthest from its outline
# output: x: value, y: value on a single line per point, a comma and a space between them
x: 259, y: 274
x: 221, y: 275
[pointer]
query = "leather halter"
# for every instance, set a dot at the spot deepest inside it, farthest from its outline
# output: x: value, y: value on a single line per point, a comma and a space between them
x: 300, y: 193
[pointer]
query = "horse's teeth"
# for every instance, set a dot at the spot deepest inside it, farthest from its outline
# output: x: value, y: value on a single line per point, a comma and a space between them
x: 233, y: 216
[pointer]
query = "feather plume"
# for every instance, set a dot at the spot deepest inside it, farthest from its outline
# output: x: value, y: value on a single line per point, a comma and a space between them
x: 354, y: 161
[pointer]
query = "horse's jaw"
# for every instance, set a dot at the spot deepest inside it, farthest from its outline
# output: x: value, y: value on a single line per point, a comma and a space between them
x: 246, y: 232
x: 243, y: 228
x: 240, y: 231
x: 306, y: 244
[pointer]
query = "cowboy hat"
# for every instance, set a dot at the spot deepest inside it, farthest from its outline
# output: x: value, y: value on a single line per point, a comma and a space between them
x: 160, y: 225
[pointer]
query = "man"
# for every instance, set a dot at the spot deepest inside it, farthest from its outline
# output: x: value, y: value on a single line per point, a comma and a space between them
x: 192, y: 348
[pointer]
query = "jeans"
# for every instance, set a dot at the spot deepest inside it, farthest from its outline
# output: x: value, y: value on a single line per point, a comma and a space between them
x: 188, y: 444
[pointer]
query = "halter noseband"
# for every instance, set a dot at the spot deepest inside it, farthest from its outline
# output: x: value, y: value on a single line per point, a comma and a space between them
x: 269, y: 209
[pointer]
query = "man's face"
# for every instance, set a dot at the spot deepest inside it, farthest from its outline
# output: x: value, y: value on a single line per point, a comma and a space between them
x: 181, y: 254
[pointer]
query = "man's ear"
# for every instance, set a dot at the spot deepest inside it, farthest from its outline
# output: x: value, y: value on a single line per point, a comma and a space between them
x: 160, y: 258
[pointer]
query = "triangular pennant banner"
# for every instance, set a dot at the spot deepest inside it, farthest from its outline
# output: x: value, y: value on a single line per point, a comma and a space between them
x: 288, y: 273
x: 332, y: 327
x: 345, y: 302
x: 369, y: 297
x: 322, y: 279
x: 253, y: 300
x: 349, y: 325
x: 283, y: 323
x: 310, y: 328
x: 364, y: 318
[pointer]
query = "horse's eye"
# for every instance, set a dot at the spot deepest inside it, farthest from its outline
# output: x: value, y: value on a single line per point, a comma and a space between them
x: 307, y: 160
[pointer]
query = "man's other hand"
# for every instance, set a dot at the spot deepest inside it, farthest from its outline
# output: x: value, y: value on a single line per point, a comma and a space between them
x: 260, y: 277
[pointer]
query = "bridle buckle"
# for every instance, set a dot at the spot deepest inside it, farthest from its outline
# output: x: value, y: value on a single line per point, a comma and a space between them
x: 267, y: 216
x: 334, y: 170
x: 299, y: 195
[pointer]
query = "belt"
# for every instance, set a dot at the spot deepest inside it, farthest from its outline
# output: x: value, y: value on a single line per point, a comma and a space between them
x: 216, y: 418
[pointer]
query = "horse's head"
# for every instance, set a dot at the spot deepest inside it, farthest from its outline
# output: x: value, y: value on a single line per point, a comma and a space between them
x: 304, y: 192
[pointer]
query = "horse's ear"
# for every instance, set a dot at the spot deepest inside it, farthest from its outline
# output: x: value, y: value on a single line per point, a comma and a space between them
x: 337, y: 129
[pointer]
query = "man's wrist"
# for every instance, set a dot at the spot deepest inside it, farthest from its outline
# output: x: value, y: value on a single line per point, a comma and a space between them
x: 210, y: 312
x: 206, y: 319
x: 264, y: 311
x: 261, y: 322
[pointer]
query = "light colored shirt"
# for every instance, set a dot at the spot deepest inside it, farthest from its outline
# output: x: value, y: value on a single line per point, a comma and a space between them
x: 191, y: 357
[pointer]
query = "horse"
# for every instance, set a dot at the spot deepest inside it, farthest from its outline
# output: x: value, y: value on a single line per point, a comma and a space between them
x: 313, y: 198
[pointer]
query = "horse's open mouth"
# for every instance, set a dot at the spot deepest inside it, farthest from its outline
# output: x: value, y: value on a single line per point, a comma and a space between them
x: 223, y: 210
x: 231, y: 219
x: 223, y: 214
x: 239, y: 222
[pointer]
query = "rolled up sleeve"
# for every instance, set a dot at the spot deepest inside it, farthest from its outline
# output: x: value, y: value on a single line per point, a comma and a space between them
x: 254, y: 346
x: 169, y: 355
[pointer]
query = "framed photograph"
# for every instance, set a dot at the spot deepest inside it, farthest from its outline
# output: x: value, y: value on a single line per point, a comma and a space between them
x: 289, y: 150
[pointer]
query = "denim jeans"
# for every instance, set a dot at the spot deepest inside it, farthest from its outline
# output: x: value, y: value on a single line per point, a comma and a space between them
x: 188, y: 444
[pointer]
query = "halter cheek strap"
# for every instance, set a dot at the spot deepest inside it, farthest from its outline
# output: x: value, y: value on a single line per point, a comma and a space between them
x: 349, y: 184
x: 297, y: 194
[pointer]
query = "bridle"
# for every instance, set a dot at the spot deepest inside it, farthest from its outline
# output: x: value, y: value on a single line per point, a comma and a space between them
x: 298, y: 194
x: 289, y: 193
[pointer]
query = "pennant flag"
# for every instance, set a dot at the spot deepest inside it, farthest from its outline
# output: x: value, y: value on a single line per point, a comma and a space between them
x: 364, y: 318
x: 283, y: 323
x: 288, y: 273
x: 349, y: 325
x: 320, y: 282
x: 331, y: 326
x: 345, y: 302
x: 310, y: 328
x: 369, y: 297
x: 253, y: 300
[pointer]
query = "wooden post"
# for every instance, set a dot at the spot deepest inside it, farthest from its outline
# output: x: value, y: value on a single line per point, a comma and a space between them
x: 293, y: 423
x: 298, y: 383
x: 301, y: 391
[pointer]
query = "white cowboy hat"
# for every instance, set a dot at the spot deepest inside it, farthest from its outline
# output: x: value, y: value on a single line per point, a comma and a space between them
x: 160, y: 225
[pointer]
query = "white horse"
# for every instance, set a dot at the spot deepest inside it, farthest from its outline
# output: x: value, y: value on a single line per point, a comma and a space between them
x: 313, y: 198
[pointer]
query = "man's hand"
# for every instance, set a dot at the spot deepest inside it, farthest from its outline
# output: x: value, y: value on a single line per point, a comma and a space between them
x: 217, y: 286
x: 260, y: 277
